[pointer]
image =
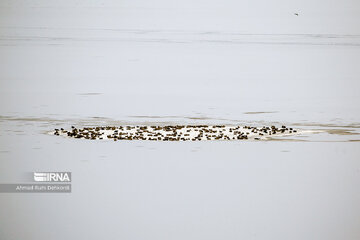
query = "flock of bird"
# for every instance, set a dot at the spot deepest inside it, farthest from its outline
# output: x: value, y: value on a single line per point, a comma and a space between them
x: 174, y: 132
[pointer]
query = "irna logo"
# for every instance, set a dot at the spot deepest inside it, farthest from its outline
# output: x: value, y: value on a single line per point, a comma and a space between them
x: 52, y: 176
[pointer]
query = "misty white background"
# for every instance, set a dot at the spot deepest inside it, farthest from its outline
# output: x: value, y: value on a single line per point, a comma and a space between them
x: 88, y: 63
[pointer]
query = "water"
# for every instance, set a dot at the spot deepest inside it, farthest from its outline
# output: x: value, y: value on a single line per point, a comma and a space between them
x: 110, y: 63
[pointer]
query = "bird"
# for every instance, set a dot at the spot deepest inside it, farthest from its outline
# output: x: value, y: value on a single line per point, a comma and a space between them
x: 296, y: 14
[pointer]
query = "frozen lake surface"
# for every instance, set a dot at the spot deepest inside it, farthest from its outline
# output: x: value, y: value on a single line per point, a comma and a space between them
x: 189, y: 62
